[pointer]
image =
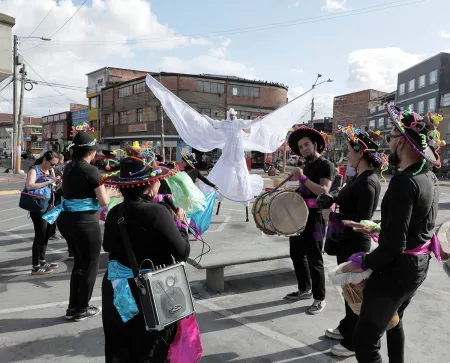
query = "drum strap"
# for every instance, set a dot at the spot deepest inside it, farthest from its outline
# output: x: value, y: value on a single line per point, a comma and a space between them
x: 126, y: 241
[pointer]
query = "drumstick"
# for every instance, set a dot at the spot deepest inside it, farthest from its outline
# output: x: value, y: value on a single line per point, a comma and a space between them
x: 280, y: 185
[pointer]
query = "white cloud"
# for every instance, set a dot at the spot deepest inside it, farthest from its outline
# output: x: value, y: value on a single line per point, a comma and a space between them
x: 296, y: 70
x: 336, y: 5
x: 445, y: 34
x: 294, y: 92
x: 377, y: 68
x: 297, y: 4
x: 102, y: 33
x: 220, y: 52
x: 323, y: 103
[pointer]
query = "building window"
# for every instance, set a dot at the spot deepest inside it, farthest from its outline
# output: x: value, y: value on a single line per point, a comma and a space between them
x: 44, y: 119
x: 371, y: 124
x: 50, y: 118
x: 125, y: 91
x: 59, y: 128
x: 380, y: 123
x: 372, y: 110
x: 244, y: 91
x: 140, y: 115
x: 205, y: 111
x: 412, y: 85
x: 244, y: 115
x: 56, y: 117
x: 37, y: 145
x: 421, y: 107
x: 432, y: 104
x: 108, y: 120
x: 433, y: 76
x: 100, y: 81
x: 422, y: 81
x: 448, y: 128
x: 381, y: 107
x: 93, y: 124
x: 445, y: 100
x: 92, y: 103
x: 210, y: 87
x: 139, y: 87
x: 62, y: 116
x: 124, y: 117
x: 411, y: 107
x: 401, y: 89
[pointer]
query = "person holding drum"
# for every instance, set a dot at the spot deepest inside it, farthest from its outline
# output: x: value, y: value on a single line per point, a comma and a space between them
x: 357, y: 201
x: 306, y: 248
x: 408, y: 218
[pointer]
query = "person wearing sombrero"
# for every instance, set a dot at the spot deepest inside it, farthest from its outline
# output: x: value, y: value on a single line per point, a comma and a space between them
x: 306, y: 249
x: 406, y: 240
x: 154, y: 234
x: 357, y: 201
x: 78, y: 221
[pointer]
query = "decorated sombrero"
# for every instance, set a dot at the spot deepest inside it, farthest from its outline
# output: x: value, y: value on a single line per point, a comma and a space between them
x: 189, y: 158
x: 81, y: 137
x: 366, y: 142
x: 420, y: 132
x: 138, y: 167
x: 303, y: 131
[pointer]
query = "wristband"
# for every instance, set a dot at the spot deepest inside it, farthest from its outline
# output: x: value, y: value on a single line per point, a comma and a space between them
x: 180, y: 225
x: 303, y: 179
x: 357, y: 260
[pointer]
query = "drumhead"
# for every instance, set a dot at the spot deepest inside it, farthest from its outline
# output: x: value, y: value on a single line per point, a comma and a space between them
x: 288, y: 213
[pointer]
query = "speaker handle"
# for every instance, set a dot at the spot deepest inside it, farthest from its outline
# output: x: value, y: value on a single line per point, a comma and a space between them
x: 147, y: 259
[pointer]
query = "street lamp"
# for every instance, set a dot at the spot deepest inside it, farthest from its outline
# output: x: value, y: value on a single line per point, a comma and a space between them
x: 312, y: 101
x: 16, y: 128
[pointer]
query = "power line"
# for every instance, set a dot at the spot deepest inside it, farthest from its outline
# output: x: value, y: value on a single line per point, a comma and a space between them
x: 45, y: 17
x: 62, y: 26
x: 369, y: 9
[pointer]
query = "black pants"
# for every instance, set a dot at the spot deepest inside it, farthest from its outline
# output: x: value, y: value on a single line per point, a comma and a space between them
x: 387, y: 292
x: 84, y: 239
x: 42, y: 232
x: 350, y: 243
x: 56, y: 201
x: 306, y: 255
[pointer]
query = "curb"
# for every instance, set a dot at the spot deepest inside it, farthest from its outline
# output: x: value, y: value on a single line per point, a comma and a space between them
x: 9, y: 192
x: 444, y: 243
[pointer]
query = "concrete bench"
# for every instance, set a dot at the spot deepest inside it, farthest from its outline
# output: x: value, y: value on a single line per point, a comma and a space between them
x: 215, y: 263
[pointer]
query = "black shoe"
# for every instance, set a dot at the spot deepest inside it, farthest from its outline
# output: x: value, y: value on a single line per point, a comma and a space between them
x: 39, y: 270
x: 299, y: 295
x: 70, y: 314
x: 51, y: 266
x: 89, y: 312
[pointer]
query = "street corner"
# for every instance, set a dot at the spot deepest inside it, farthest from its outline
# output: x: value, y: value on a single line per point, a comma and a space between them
x: 444, y: 241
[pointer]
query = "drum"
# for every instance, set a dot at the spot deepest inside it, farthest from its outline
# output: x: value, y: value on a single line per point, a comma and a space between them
x: 281, y: 212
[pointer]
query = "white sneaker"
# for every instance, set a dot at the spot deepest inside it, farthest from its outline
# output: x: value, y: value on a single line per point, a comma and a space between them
x: 334, y: 334
x: 317, y: 307
x: 341, y: 351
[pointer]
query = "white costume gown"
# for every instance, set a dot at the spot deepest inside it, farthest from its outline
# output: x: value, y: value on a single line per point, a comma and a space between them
x: 201, y: 132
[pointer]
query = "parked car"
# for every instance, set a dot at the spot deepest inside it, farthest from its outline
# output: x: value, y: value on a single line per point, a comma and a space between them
x: 293, y: 160
x: 102, y: 158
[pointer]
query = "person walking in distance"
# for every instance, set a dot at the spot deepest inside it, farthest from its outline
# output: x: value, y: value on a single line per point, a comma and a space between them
x: 306, y: 249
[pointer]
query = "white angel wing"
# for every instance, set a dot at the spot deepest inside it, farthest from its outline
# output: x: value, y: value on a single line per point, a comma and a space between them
x: 192, y: 127
x: 269, y: 134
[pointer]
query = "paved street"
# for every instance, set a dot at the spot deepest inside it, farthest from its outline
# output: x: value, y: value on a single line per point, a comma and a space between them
x: 248, y: 323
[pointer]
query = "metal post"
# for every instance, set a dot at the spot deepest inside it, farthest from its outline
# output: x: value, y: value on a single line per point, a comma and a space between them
x: 284, y: 157
x: 312, y: 113
x: 14, y: 139
x: 163, y: 154
x: 20, y: 123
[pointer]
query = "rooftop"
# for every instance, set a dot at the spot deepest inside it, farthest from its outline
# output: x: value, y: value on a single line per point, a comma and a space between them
x: 120, y: 69
x: 425, y: 60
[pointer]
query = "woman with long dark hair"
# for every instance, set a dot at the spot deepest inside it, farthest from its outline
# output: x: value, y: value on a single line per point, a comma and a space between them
x: 78, y: 222
x: 357, y: 201
x: 154, y: 235
x: 39, y: 182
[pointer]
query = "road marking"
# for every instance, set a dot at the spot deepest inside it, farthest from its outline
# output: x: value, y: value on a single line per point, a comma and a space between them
x: 5, y: 210
x: 237, y: 210
x: 9, y: 201
x: 221, y: 226
x: 9, y: 219
x: 18, y: 227
x: 41, y: 306
x: 281, y: 338
x: 9, y: 192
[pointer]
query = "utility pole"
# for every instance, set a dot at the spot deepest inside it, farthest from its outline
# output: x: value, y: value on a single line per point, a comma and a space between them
x: 20, y: 123
x: 14, y: 139
x: 163, y: 154
x: 312, y: 113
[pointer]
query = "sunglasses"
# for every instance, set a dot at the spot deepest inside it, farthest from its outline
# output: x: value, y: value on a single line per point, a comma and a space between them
x: 391, y: 137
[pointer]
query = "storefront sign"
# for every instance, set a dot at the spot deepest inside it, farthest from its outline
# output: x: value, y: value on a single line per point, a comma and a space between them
x: 137, y: 128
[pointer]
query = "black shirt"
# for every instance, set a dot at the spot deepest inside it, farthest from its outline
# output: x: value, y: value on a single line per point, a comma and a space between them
x: 151, y: 231
x: 315, y: 171
x: 408, y: 214
x: 195, y: 174
x: 80, y: 179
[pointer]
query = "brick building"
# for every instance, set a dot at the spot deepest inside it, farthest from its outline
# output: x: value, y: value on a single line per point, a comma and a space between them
x: 377, y: 118
x: 352, y: 108
x: 56, y: 130
x: 131, y: 112
x: 31, y: 131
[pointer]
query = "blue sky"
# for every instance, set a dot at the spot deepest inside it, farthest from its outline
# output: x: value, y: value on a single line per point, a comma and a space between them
x: 357, y: 51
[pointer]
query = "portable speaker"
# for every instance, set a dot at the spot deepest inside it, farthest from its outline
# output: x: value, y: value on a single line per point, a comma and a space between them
x: 166, y: 296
